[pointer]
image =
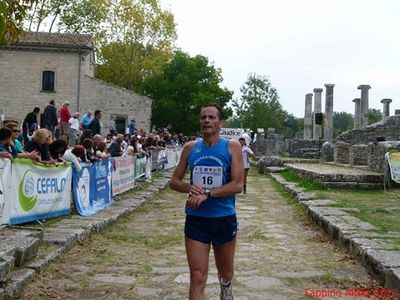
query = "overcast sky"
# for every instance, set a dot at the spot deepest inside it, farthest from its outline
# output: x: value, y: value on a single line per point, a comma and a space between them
x: 299, y: 44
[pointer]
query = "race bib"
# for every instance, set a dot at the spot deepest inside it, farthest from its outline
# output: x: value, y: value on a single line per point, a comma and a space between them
x: 207, y: 177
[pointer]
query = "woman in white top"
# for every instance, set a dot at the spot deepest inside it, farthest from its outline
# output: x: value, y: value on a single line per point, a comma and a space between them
x: 246, y: 151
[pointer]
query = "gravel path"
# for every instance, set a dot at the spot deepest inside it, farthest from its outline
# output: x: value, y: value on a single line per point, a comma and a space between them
x: 279, y: 255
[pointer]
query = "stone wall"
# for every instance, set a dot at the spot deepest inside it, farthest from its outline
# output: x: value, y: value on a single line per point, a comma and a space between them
x: 387, y: 128
x: 21, y: 80
x: 112, y: 100
x: 376, y: 156
x: 303, y: 148
x: 259, y: 146
x: 275, y: 144
x: 358, y: 155
x: 21, y: 84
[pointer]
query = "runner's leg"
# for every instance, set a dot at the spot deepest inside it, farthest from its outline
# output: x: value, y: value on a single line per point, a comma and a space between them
x: 197, y: 256
x: 224, y: 257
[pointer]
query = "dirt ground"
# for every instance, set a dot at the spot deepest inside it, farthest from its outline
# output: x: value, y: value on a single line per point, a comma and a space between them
x: 279, y: 255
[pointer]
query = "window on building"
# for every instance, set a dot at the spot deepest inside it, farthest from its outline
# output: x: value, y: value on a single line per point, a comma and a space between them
x: 48, y: 81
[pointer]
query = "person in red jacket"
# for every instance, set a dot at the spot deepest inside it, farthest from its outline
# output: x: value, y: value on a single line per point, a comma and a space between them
x: 65, y: 115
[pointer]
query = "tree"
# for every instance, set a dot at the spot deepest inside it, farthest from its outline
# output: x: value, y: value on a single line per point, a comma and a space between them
x: 135, y: 38
x: 342, y: 121
x: 291, y: 126
x: 12, y: 14
x: 182, y: 88
x: 374, y: 115
x: 137, y: 42
x: 259, y: 105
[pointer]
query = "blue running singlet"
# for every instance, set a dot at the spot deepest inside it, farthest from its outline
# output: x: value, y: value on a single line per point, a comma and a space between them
x: 210, y: 168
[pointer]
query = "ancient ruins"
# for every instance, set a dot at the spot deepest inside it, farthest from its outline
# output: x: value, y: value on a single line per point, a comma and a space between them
x: 363, y: 148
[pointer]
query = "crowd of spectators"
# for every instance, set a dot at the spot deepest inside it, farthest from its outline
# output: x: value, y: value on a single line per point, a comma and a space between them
x: 66, y: 137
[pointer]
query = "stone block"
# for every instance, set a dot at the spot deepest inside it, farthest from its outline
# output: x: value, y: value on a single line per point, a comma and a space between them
x: 342, y: 153
x: 7, y: 264
x: 26, y: 249
x: 38, y: 264
x: 392, y: 278
x: 20, y: 278
x: 57, y: 238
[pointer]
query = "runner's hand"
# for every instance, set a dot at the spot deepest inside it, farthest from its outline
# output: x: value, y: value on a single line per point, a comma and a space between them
x: 195, y: 201
x: 196, y: 190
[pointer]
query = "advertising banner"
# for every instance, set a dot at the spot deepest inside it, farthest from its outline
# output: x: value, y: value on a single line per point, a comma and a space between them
x: 235, y: 134
x: 173, y: 155
x: 123, y: 174
x: 394, y: 164
x: 140, y: 164
x: 92, y: 187
x: 5, y: 171
x: 39, y: 191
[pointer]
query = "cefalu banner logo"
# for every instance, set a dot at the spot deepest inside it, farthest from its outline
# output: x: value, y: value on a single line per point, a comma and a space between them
x: 43, y: 191
x: 26, y: 191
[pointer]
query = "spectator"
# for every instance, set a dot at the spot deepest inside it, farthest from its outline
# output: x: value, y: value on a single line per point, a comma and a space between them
x: 95, y: 124
x: 40, y: 143
x: 65, y: 115
x: 132, y: 127
x: 57, y: 150
x: 7, y: 149
x: 74, y: 129
x: 97, y: 139
x: 86, y: 134
x: 14, y: 138
x: 89, y: 155
x: 30, y: 124
x: 50, y: 117
x: 73, y: 156
x: 101, y: 151
x: 86, y: 119
x: 108, y: 139
x: 131, y: 149
x: 112, y: 126
x: 115, y: 147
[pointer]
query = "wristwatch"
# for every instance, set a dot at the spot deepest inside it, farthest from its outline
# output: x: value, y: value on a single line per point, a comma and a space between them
x: 207, y: 192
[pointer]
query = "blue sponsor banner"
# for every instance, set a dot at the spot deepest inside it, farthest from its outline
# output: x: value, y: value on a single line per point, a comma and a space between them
x: 92, y: 187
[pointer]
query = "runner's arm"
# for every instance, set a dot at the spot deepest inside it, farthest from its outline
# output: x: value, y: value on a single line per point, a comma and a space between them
x: 176, y: 182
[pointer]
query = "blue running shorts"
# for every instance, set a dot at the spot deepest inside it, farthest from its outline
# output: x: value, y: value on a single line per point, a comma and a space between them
x: 216, y: 231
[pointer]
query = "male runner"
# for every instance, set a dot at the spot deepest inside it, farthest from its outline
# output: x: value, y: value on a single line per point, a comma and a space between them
x: 216, y: 176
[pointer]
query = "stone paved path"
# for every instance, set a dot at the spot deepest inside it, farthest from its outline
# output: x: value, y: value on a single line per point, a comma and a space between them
x: 142, y: 257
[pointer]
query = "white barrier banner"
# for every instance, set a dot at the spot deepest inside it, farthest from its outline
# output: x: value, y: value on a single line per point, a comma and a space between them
x: 41, y: 191
x: 5, y: 171
x: 173, y: 155
x: 123, y: 174
x: 394, y: 164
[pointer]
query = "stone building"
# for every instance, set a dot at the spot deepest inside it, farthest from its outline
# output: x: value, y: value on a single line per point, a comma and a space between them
x: 60, y: 66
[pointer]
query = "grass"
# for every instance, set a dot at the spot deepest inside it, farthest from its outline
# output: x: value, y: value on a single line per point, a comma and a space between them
x: 376, y: 207
x: 307, y: 184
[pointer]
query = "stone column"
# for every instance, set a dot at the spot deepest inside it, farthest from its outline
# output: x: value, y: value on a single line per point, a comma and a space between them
x: 357, y: 113
x: 386, y: 108
x: 364, y: 104
x: 328, y: 118
x: 308, y: 117
x: 317, y: 109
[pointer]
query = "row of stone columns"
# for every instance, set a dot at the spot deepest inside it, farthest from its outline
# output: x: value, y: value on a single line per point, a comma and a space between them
x: 361, y: 107
x: 361, y: 112
x: 311, y: 129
